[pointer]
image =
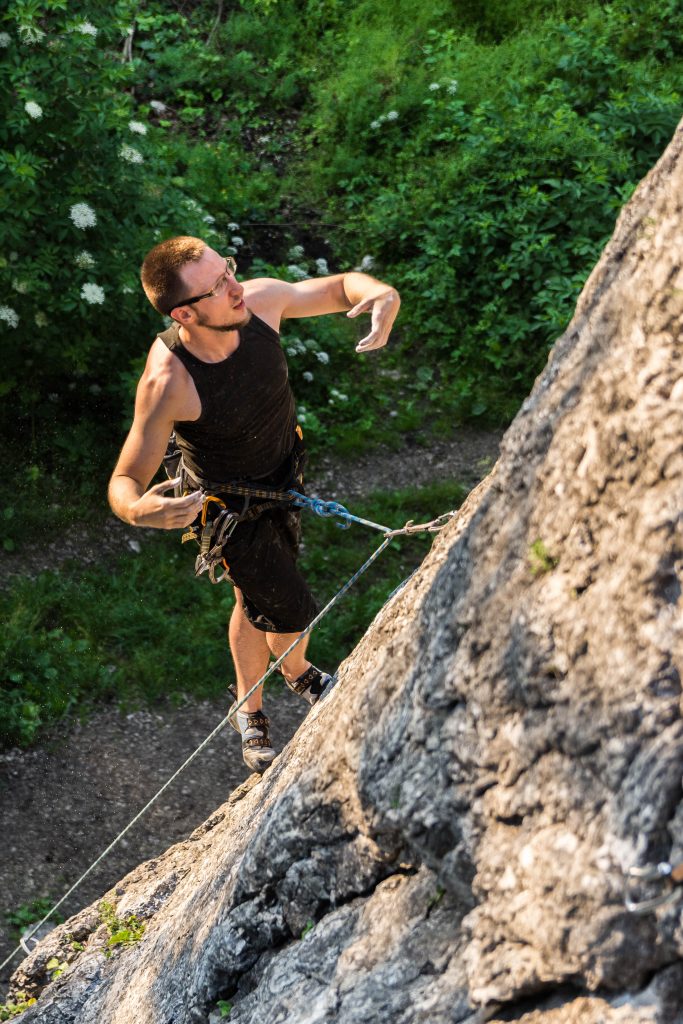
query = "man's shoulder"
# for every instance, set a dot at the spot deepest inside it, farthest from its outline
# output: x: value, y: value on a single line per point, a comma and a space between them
x: 267, y: 297
x: 264, y: 286
x: 164, y: 378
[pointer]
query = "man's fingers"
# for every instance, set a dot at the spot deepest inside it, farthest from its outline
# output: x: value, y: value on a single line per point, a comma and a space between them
x: 361, y: 307
x: 371, y: 341
x: 196, y: 498
x: 165, y: 485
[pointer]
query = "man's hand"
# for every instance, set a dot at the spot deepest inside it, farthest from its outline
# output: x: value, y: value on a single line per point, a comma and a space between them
x: 165, y: 513
x: 384, y: 310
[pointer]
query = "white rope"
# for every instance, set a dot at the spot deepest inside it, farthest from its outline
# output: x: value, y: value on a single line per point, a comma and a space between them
x: 432, y: 527
x: 221, y: 725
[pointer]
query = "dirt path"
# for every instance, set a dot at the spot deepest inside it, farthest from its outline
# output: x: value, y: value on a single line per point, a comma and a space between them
x: 62, y: 803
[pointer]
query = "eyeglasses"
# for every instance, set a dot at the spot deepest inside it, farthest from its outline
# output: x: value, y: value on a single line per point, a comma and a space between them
x: 218, y: 288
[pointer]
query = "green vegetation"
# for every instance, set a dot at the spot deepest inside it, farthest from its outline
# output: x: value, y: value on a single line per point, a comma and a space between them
x: 146, y: 630
x: 13, y: 1007
x: 56, y: 967
x: 476, y: 155
x: 122, y: 931
x: 30, y: 913
x: 540, y: 559
x: 308, y: 927
x: 224, y: 1008
x: 436, y: 897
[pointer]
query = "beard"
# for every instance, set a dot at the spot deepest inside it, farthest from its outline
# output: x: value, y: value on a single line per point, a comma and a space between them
x: 224, y: 328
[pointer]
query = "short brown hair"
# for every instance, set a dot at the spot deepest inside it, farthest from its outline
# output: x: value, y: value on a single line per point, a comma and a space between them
x: 160, y: 271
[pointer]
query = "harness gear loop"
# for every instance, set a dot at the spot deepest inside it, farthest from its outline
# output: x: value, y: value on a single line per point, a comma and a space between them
x: 662, y: 872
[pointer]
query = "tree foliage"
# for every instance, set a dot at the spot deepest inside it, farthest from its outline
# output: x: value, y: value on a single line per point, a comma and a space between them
x: 476, y: 156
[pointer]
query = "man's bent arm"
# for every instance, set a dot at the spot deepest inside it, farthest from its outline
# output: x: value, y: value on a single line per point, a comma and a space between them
x: 140, y: 458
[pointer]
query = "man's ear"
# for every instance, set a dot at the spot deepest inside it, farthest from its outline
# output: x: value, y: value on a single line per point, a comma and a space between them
x: 183, y: 315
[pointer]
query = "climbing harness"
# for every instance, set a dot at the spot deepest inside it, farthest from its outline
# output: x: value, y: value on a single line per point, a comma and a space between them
x: 323, y: 508
x: 216, y: 522
x: 670, y: 875
x: 216, y: 528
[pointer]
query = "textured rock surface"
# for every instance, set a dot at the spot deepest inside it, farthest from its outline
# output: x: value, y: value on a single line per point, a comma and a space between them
x: 456, y: 817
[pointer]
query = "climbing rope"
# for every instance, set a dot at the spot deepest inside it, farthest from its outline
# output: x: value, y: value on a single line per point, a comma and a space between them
x: 321, y: 508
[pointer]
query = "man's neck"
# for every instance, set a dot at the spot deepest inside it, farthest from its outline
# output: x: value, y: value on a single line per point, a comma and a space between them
x: 208, y: 345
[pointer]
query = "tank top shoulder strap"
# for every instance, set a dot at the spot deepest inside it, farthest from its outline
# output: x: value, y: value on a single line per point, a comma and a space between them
x: 259, y: 326
x: 171, y: 339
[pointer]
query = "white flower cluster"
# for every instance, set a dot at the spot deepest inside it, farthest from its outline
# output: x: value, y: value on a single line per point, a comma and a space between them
x: 86, y: 28
x: 83, y: 216
x: 307, y: 376
x: 296, y: 252
x: 84, y: 260
x: 233, y: 227
x: 322, y: 357
x: 321, y: 266
x: 337, y: 396
x: 297, y: 272
x: 452, y: 86
x: 296, y: 347
x: 137, y: 127
x: 391, y: 116
x: 41, y: 319
x: 367, y: 263
x: 157, y: 106
x: 92, y: 293
x: 434, y: 87
x: 237, y: 241
x: 130, y: 154
x: 31, y: 34
x: 208, y: 219
x: 20, y: 286
x: 9, y: 315
x: 5, y: 39
x: 33, y: 110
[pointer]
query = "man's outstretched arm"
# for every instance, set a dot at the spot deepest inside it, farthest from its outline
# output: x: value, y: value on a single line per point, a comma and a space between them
x: 353, y: 293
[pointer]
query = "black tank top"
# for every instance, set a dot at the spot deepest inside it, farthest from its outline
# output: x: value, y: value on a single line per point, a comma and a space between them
x: 247, y: 423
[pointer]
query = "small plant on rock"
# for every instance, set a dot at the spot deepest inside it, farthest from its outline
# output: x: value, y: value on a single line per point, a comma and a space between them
x: 540, y: 559
x: 122, y: 931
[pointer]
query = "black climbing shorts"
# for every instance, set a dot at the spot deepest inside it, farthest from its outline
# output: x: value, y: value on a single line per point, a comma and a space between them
x: 261, y: 557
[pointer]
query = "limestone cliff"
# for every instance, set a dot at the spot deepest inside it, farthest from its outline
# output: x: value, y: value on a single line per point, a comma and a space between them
x: 455, y: 819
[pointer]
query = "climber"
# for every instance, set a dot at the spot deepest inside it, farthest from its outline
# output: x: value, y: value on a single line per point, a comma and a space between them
x: 218, y: 378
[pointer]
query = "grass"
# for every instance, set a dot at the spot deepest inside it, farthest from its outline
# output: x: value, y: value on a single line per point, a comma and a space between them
x: 144, y: 630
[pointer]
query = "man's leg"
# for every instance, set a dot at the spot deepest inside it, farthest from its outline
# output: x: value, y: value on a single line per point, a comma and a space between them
x: 295, y: 664
x: 250, y: 653
x: 251, y: 649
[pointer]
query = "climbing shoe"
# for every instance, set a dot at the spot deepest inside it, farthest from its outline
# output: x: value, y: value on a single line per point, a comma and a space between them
x: 256, y: 747
x: 310, y: 684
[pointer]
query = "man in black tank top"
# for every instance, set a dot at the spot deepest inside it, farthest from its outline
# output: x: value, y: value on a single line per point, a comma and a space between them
x: 218, y: 378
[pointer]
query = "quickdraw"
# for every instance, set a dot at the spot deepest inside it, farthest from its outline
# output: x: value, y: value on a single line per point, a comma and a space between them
x: 670, y: 875
x: 214, y: 533
x: 214, y: 529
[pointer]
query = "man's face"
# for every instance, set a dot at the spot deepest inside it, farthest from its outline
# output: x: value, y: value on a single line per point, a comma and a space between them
x: 223, y: 311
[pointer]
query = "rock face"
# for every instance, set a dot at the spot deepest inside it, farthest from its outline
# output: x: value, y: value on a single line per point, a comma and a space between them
x: 445, y: 838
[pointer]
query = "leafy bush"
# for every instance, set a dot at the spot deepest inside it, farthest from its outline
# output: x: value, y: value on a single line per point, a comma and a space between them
x: 88, y: 191
x: 479, y: 156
